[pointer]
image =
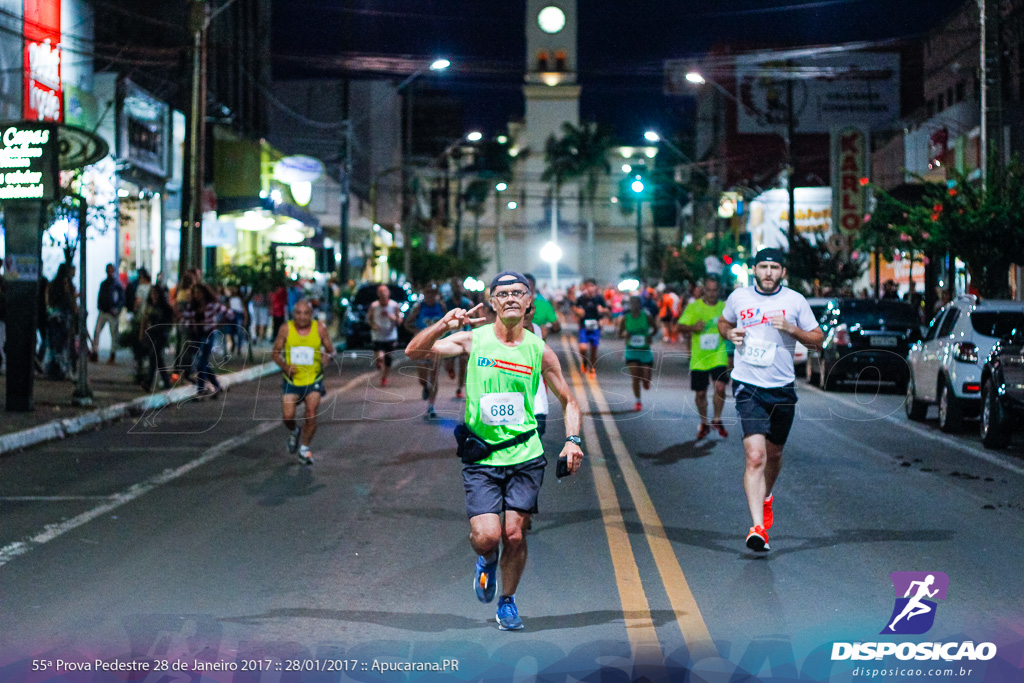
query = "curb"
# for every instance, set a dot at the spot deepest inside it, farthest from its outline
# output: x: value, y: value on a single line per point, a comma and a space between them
x: 61, y: 428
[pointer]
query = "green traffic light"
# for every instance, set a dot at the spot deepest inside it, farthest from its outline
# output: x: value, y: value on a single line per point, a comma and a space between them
x: 638, y: 186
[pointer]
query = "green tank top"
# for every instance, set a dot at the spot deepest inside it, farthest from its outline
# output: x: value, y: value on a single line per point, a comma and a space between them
x: 635, y: 329
x: 501, y: 384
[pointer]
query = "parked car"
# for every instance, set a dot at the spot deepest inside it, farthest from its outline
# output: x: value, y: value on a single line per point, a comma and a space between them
x: 1002, y: 390
x: 801, y: 355
x: 866, y: 339
x: 946, y: 366
x: 357, y: 329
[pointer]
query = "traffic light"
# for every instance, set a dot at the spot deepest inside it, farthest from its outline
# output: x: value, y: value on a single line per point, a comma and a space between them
x: 636, y: 185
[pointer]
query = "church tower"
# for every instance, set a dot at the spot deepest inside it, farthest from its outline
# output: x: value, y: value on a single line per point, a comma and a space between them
x: 552, y: 97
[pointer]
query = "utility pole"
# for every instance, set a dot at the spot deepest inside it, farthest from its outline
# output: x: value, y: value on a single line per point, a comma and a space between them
x: 639, y: 239
x: 790, y: 157
x: 191, y: 251
x: 346, y: 189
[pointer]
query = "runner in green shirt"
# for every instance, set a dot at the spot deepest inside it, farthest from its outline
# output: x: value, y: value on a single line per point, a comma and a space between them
x: 637, y: 327
x: 543, y: 312
x: 505, y: 368
x: 708, y: 358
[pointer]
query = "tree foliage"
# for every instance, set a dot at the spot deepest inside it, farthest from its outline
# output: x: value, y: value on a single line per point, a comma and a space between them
x: 812, y: 262
x: 429, y: 266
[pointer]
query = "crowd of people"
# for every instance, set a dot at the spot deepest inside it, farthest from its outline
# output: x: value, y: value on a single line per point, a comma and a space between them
x: 170, y: 331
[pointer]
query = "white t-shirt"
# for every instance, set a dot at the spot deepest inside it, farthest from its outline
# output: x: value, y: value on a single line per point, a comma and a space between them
x: 387, y: 329
x: 540, y: 401
x: 765, y: 359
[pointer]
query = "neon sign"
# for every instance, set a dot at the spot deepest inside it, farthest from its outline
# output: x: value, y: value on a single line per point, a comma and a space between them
x: 44, y: 92
x: 28, y: 162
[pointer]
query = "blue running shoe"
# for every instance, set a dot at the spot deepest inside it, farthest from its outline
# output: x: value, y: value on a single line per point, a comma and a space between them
x: 508, y: 616
x: 486, y: 579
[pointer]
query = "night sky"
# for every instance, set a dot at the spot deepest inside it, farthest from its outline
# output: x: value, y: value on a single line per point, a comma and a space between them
x: 622, y: 45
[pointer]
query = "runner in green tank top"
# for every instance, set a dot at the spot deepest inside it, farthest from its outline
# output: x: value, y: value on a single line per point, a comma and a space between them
x: 637, y: 327
x: 505, y: 367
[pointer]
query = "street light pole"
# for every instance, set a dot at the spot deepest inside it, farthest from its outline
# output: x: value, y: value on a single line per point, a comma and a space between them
x: 190, y: 251
x: 639, y: 238
x: 790, y: 157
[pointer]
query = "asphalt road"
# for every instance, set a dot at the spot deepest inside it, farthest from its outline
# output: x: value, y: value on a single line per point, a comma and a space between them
x: 190, y: 537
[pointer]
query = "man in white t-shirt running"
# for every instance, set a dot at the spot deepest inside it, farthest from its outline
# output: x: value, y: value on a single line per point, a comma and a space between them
x: 764, y: 322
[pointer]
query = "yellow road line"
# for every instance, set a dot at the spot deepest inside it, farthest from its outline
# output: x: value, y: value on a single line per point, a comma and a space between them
x: 643, y: 638
x: 684, y: 605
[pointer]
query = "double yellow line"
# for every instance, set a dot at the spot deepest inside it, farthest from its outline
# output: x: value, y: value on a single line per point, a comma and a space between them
x: 636, y: 609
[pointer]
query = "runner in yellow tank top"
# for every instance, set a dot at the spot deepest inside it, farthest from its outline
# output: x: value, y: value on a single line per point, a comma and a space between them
x: 501, y: 489
x: 300, y: 350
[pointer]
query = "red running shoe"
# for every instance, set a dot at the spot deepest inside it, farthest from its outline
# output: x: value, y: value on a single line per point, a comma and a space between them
x: 717, y: 424
x: 757, y: 539
x: 383, y: 381
x: 704, y: 430
x: 638, y: 407
x: 769, y: 518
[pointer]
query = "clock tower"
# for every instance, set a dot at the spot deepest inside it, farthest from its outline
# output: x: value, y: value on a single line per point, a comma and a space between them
x: 552, y: 95
x: 552, y: 98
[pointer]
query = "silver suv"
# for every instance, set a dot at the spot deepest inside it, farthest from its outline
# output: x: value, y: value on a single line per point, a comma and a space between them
x: 945, y: 367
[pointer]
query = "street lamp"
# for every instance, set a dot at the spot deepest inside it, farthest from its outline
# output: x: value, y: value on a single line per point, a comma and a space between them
x: 552, y: 253
x: 638, y: 187
x: 698, y: 79
x: 439, y: 64
x: 475, y: 136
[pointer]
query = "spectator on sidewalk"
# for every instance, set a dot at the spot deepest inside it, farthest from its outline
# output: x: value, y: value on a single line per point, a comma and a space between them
x: 203, y: 316
x: 62, y: 314
x: 278, y: 308
x: 41, y: 322
x: 260, y: 315
x: 109, y: 303
x: 157, y: 322
x: 3, y: 321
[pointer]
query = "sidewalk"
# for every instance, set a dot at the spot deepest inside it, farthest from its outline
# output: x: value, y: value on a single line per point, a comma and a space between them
x: 115, y: 396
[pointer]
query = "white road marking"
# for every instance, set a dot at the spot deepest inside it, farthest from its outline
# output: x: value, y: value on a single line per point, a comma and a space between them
x: 930, y: 434
x: 49, y: 499
x: 52, y: 531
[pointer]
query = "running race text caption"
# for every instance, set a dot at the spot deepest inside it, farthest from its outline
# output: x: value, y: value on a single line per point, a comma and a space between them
x: 66, y: 666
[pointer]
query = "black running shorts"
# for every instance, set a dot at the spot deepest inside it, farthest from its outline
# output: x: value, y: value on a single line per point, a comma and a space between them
x: 700, y: 379
x: 491, y: 490
x: 766, y: 411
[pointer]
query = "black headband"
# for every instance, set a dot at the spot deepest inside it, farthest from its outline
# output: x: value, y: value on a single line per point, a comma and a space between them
x: 519, y: 277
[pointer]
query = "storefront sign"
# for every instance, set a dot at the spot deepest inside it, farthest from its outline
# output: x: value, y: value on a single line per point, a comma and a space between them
x: 768, y: 216
x: 143, y: 130
x: 849, y: 178
x: 44, y: 93
x: 28, y: 162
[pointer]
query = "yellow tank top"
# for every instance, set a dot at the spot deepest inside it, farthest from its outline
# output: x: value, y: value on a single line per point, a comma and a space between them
x: 304, y: 353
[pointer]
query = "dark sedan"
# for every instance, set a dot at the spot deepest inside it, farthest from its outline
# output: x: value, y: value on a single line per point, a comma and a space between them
x: 867, y: 340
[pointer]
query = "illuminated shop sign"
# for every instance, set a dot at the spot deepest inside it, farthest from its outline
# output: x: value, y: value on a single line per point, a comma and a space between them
x: 143, y: 130
x: 849, y: 178
x: 44, y: 93
x: 28, y: 162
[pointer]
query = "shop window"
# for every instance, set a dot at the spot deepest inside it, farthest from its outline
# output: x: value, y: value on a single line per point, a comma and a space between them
x: 542, y: 61
x: 940, y: 103
x: 949, y: 96
x: 961, y: 91
x: 931, y: 107
x: 560, y: 61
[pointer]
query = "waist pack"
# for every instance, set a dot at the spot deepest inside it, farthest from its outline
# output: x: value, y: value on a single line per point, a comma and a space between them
x: 472, y: 449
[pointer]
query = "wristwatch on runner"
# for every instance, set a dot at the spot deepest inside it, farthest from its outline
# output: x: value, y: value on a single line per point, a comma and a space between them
x: 575, y: 439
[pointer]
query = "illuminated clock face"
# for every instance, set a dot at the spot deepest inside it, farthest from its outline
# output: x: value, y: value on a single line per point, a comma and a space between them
x: 551, y: 19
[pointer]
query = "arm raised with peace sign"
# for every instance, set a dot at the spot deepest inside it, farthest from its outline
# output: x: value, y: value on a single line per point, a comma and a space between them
x: 429, y: 343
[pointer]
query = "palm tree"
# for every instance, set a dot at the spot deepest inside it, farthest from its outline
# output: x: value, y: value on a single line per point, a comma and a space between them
x: 590, y: 143
x: 560, y: 160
